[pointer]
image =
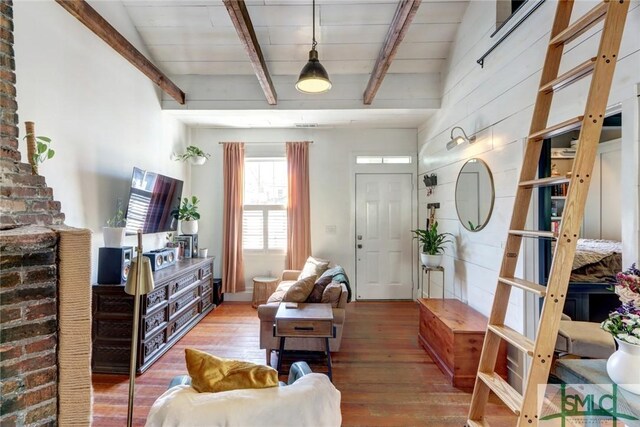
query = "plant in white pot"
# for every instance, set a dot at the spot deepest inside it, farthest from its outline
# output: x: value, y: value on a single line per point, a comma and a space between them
x: 194, y: 154
x: 114, y: 231
x: 431, y: 244
x: 623, y: 366
x: 188, y: 215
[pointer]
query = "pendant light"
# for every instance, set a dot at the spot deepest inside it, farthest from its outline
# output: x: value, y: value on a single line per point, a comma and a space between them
x: 313, y: 77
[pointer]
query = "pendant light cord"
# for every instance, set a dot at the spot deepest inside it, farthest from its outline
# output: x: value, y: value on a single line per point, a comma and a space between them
x: 314, y: 44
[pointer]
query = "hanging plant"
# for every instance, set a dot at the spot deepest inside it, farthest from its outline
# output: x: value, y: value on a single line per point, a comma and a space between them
x: 193, y: 154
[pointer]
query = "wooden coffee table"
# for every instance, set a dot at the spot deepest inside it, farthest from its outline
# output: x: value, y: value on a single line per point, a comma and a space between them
x: 305, y: 321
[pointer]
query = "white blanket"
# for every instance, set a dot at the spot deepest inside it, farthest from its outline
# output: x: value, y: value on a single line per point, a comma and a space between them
x: 311, y: 401
x: 590, y: 251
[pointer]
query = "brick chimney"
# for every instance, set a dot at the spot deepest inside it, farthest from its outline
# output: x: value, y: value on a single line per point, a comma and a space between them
x: 28, y: 271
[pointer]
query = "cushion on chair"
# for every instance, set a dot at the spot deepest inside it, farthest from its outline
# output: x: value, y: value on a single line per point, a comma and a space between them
x: 314, y: 267
x: 213, y: 374
x: 300, y: 290
x: 584, y: 339
x: 318, y: 288
x: 332, y: 293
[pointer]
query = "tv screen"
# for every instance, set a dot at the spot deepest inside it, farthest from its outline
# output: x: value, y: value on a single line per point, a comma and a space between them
x: 153, y: 201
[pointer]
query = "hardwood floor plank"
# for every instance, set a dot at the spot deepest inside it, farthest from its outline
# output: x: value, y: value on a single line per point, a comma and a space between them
x: 385, y: 377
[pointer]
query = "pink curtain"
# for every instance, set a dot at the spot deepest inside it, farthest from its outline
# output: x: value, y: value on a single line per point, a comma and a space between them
x: 298, y: 210
x: 232, y: 262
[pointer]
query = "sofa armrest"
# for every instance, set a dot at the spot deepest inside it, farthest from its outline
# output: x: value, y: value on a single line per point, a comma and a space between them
x: 267, y: 312
x: 290, y: 275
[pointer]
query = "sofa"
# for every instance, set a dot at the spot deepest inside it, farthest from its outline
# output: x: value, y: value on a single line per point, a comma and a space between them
x: 267, y: 315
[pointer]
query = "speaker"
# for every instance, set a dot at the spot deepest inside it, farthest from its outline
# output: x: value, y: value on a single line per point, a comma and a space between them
x: 161, y: 258
x: 114, y: 264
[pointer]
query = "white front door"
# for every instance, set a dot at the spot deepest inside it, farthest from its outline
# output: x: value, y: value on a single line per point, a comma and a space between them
x: 383, y: 236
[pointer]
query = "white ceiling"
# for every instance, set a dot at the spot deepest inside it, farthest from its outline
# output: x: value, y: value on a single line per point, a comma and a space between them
x: 197, y: 37
x: 381, y: 118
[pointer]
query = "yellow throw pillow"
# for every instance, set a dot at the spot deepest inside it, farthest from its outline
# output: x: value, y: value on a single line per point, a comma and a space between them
x: 300, y: 290
x: 212, y: 374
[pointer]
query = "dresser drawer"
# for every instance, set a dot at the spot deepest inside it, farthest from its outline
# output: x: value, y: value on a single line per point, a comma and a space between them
x: 206, y: 301
x: 154, y: 321
x: 183, y: 282
x: 206, y: 271
x: 183, y: 300
x: 153, y: 345
x: 154, y: 298
x: 182, y: 320
x: 304, y: 328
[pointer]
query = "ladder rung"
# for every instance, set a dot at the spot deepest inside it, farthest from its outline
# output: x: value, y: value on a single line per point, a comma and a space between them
x: 558, y: 129
x: 512, y: 337
x: 524, y: 284
x: 503, y: 390
x: 474, y: 423
x: 570, y: 76
x: 581, y: 25
x: 545, y: 182
x: 534, y: 233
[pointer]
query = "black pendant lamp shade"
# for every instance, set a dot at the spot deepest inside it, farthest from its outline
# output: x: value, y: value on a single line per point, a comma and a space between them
x: 313, y: 77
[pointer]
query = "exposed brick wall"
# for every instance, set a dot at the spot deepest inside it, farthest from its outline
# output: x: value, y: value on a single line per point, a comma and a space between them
x: 28, y: 272
x: 25, y: 199
x: 28, y: 326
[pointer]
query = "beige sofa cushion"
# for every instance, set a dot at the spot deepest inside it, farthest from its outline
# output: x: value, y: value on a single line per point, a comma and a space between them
x: 300, y: 290
x: 331, y: 294
x: 314, y: 267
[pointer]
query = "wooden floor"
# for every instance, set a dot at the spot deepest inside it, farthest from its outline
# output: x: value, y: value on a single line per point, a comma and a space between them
x: 385, y: 377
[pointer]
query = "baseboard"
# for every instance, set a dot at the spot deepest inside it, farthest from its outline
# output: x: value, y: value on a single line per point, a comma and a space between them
x: 245, y: 296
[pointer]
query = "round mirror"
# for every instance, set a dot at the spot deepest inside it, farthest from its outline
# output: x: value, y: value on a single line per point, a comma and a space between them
x: 474, y: 195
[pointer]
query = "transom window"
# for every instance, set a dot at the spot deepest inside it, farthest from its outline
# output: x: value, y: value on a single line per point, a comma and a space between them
x: 264, y: 221
x: 373, y: 160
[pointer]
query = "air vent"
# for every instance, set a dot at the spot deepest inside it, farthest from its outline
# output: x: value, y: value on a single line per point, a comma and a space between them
x: 306, y: 125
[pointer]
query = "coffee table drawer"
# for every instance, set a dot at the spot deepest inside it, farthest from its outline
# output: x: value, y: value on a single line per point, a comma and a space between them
x: 304, y: 328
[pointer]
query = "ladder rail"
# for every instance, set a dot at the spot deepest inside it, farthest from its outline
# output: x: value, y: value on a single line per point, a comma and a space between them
x: 595, y: 108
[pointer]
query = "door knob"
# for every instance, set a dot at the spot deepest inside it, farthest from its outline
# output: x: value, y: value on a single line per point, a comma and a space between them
x: 359, y: 246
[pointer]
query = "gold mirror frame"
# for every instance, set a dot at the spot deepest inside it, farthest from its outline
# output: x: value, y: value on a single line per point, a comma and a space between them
x: 493, y: 195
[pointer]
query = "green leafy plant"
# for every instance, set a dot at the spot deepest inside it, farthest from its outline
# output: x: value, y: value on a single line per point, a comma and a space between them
x: 43, y: 149
x: 188, y: 210
x: 431, y: 241
x: 192, y: 151
x: 118, y: 219
x: 471, y: 226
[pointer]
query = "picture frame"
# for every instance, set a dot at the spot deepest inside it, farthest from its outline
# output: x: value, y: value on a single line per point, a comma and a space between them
x: 188, y: 244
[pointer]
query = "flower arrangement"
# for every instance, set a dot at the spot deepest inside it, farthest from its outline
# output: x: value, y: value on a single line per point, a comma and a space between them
x: 624, y: 323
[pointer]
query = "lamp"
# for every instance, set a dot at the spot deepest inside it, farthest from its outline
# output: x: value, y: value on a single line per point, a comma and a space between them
x: 457, y: 140
x: 313, y: 77
x: 139, y: 282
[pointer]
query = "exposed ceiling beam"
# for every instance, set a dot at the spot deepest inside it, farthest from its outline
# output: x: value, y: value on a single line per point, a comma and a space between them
x: 399, y: 26
x: 242, y: 22
x: 96, y: 23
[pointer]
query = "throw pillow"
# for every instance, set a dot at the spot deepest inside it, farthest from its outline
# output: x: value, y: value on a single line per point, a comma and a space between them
x: 212, y: 374
x: 331, y: 294
x: 300, y: 290
x: 313, y: 267
x: 318, y: 288
x: 277, y: 296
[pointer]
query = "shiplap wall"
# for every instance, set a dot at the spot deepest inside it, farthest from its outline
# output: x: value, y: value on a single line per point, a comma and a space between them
x: 496, y: 103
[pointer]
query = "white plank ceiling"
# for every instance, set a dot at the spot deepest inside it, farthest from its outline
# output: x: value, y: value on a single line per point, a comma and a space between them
x: 197, y: 38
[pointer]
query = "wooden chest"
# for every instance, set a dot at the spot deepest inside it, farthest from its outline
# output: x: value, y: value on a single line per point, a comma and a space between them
x: 452, y: 333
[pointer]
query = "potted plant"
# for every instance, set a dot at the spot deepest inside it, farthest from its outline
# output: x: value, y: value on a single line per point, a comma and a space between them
x: 432, y: 245
x: 195, y: 155
x: 114, y: 231
x: 623, y: 366
x: 188, y: 215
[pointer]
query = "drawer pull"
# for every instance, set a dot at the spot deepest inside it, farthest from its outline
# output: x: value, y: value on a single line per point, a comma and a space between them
x: 303, y: 328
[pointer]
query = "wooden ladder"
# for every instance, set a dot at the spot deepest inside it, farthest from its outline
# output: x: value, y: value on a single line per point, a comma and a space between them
x: 614, y: 13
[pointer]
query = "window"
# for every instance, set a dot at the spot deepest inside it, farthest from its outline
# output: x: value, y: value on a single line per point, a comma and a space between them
x: 264, y: 221
x: 372, y: 160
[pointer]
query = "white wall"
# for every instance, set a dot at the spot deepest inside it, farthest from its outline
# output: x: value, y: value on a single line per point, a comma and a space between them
x: 103, y: 115
x: 496, y: 102
x: 331, y: 180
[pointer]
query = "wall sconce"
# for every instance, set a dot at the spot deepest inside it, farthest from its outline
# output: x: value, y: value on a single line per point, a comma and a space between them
x: 457, y: 140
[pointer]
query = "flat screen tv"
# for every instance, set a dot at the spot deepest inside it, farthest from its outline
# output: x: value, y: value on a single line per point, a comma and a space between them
x: 153, y: 201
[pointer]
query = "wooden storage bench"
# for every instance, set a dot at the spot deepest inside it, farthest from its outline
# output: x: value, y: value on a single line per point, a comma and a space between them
x: 452, y: 333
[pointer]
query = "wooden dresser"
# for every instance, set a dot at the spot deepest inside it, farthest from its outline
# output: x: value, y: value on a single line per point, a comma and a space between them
x: 183, y: 295
x: 452, y: 333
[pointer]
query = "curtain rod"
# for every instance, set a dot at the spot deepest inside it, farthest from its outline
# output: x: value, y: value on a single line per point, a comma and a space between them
x: 264, y: 142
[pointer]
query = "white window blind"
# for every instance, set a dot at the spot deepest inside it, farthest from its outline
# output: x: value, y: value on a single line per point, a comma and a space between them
x: 264, y: 222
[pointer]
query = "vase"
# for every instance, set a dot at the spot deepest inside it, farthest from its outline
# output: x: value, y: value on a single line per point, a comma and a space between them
x: 198, y: 160
x: 113, y: 237
x: 189, y: 227
x: 431, y: 261
x: 623, y: 366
